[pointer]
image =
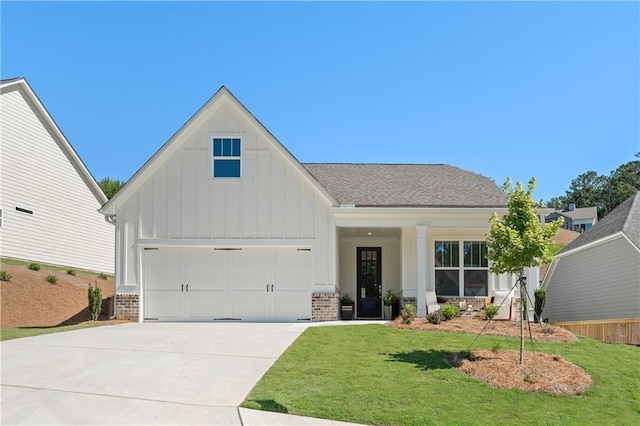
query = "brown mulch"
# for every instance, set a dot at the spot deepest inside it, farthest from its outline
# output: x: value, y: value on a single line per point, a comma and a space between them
x: 543, y: 373
x: 541, y: 332
x: 540, y: 373
x: 27, y: 300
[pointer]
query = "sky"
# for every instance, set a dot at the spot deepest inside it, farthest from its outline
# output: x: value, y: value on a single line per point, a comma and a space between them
x: 505, y: 89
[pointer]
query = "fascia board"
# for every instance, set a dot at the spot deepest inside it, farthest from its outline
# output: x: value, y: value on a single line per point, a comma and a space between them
x: 593, y: 244
x: 64, y: 144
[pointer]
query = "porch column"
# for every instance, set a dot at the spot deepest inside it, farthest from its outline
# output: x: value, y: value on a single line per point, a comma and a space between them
x: 421, y: 254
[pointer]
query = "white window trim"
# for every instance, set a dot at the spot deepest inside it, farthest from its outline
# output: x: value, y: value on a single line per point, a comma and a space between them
x: 213, y: 136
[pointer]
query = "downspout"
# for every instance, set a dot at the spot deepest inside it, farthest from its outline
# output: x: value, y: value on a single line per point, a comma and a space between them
x: 111, y: 218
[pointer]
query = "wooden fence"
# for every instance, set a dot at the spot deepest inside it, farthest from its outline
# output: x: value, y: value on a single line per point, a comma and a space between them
x: 625, y: 330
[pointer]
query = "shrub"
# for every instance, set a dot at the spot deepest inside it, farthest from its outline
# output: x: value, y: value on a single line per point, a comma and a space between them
x: 71, y: 272
x: 491, y: 311
x: 95, y: 302
x: 51, y: 279
x: 103, y: 276
x: 5, y: 276
x: 449, y: 311
x: 540, y: 300
x: 408, y: 314
x: 34, y: 266
x: 346, y: 300
x: 435, y: 317
x: 389, y: 298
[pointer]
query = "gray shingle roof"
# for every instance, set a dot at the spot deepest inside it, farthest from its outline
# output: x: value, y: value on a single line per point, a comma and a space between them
x: 580, y: 213
x: 407, y: 185
x: 624, y: 218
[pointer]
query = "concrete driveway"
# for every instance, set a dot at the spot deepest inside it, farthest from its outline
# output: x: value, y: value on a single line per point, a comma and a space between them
x: 157, y: 373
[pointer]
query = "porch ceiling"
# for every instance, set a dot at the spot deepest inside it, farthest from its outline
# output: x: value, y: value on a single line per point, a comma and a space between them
x: 370, y: 232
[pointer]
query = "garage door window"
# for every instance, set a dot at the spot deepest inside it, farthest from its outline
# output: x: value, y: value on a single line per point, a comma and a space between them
x: 226, y: 157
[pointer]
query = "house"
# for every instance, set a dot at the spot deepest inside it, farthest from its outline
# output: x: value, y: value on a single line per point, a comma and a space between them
x: 596, y: 278
x: 49, y: 201
x: 562, y: 238
x: 223, y: 223
x: 576, y: 219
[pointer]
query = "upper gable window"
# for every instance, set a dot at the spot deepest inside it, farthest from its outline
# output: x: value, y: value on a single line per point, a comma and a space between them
x: 226, y: 157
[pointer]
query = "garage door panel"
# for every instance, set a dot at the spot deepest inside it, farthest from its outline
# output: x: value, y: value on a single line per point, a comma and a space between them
x: 292, y: 269
x: 249, y: 305
x: 163, y: 305
x: 205, y: 270
x: 250, y: 270
x: 205, y: 305
x: 291, y: 305
x: 163, y: 269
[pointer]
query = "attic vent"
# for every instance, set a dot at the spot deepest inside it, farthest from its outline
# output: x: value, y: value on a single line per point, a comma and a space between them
x: 20, y: 209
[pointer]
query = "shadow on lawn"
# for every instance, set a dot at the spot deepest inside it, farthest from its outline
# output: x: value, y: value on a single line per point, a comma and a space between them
x: 266, y: 405
x: 425, y: 360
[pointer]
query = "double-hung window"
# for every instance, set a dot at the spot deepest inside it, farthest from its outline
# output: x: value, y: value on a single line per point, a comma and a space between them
x: 226, y: 157
x: 461, y: 268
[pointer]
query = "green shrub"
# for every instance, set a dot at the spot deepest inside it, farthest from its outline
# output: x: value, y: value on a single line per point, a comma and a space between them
x: 491, y: 311
x: 103, y: 276
x: 5, y: 276
x: 389, y: 298
x: 346, y: 300
x: 95, y: 302
x: 449, y: 311
x: 540, y: 300
x: 71, y: 272
x: 435, y: 317
x: 34, y: 266
x: 408, y: 314
x: 51, y: 279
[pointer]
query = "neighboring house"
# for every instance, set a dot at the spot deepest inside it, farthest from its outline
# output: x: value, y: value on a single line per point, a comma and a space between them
x: 597, y: 276
x: 224, y: 223
x: 48, y: 199
x: 576, y: 219
x: 562, y: 238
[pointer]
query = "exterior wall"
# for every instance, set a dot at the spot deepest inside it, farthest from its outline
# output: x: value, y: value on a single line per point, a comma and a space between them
x: 598, y: 282
x: 36, y: 174
x: 128, y: 307
x: 325, y: 307
x: 180, y: 204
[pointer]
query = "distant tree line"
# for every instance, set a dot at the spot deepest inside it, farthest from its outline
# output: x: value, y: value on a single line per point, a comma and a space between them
x: 604, y: 192
x: 110, y: 186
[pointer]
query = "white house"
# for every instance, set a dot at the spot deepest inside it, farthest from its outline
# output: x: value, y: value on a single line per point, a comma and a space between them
x: 597, y: 276
x: 576, y: 219
x: 49, y: 201
x: 224, y: 223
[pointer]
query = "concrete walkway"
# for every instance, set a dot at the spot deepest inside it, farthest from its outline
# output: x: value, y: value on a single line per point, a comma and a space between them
x: 143, y: 374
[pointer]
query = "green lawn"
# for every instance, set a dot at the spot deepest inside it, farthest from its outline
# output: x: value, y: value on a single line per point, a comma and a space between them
x: 8, y: 333
x: 379, y: 375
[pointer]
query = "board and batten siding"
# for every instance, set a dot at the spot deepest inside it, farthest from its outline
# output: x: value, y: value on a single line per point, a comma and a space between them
x: 180, y: 203
x: 599, y: 282
x: 36, y: 174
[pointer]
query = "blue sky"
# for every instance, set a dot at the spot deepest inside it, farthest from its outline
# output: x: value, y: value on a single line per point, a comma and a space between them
x: 543, y: 89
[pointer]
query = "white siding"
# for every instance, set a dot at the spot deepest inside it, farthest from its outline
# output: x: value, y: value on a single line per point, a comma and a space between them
x: 36, y: 174
x: 272, y: 201
x: 600, y: 282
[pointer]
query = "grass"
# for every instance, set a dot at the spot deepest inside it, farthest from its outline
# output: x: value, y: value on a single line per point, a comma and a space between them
x: 379, y: 375
x: 57, y: 268
x: 8, y: 333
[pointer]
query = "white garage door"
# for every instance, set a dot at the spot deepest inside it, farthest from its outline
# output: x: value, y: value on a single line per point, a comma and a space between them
x: 206, y: 284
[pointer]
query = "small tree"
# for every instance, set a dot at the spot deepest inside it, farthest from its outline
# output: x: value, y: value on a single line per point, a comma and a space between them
x: 95, y: 302
x: 518, y: 241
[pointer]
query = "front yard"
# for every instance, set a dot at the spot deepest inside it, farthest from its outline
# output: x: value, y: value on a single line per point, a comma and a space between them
x: 379, y: 375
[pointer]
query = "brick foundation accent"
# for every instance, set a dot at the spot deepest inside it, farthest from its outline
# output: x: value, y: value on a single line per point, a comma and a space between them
x: 127, y: 306
x: 325, y: 307
x: 408, y: 301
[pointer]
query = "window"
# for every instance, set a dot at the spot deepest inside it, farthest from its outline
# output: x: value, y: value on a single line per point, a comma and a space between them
x: 226, y: 157
x: 466, y: 278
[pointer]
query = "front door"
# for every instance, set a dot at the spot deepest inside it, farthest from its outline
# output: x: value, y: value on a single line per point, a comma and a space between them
x: 369, y: 293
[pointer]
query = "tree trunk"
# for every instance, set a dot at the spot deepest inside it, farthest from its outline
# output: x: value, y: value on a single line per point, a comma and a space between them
x: 522, y: 316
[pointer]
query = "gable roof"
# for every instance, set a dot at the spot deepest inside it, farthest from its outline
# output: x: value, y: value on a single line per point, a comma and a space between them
x: 166, y: 150
x: 407, y: 185
x: 625, y: 218
x: 580, y: 213
x: 22, y: 84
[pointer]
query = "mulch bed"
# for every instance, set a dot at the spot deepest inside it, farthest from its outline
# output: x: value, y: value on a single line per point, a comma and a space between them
x: 540, y: 372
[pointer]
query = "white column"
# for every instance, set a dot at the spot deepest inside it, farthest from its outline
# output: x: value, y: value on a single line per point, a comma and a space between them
x: 421, y: 252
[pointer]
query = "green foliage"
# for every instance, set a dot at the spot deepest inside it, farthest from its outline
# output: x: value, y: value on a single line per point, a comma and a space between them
x: 103, y: 276
x: 95, y: 302
x: 540, y: 300
x: 408, y: 314
x: 555, y: 249
x: 496, y: 347
x: 51, y: 279
x: 34, y: 266
x: 518, y: 241
x: 491, y: 311
x: 346, y: 300
x: 71, y: 272
x: 5, y: 276
x: 527, y: 377
x: 435, y: 317
x: 450, y: 311
x: 389, y: 298
x: 110, y: 186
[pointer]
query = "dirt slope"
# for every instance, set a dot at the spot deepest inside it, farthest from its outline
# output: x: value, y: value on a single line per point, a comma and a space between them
x: 28, y: 300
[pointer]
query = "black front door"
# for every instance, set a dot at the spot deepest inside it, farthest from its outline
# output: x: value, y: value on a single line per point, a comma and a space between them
x: 369, y: 295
